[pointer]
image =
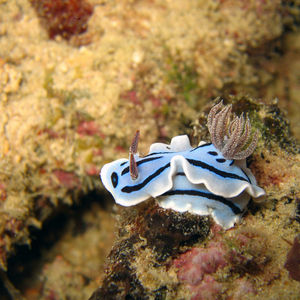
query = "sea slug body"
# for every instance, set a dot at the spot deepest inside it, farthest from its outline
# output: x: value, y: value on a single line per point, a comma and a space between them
x: 199, y: 180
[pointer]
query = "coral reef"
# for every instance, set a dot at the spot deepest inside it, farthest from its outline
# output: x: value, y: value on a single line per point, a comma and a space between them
x: 148, y: 65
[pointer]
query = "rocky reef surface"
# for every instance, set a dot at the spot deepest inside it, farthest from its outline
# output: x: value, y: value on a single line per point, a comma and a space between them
x: 71, y: 97
x: 162, y: 254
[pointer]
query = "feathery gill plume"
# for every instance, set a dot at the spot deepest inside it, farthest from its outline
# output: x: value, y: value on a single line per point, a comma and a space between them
x: 232, y: 136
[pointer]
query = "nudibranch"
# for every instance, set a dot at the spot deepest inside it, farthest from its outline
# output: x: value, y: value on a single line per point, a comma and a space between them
x: 210, y: 179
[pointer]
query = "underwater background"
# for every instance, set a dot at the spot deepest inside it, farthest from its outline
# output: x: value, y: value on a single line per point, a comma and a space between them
x: 77, y: 79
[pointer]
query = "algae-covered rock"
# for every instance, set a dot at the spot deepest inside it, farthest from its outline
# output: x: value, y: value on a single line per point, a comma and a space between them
x: 168, y: 255
x: 149, y: 237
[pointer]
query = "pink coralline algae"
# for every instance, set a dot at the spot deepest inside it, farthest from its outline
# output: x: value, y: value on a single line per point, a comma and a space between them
x: 195, y: 267
x: 208, y: 289
x: 224, y: 265
x: 89, y: 128
x: 132, y: 97
x: 92, y: 170
x: 243, y: 287
x: 197, y: 262
x: 67, y: 179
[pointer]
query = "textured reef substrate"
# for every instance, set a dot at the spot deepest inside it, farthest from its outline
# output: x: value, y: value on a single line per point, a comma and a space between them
x: 162, y: 254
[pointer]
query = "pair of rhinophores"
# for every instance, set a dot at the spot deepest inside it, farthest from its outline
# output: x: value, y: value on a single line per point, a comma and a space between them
x: 211, y: 179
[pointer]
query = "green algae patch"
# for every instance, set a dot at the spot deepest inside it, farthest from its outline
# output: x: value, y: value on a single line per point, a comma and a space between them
x: 185, y: 79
